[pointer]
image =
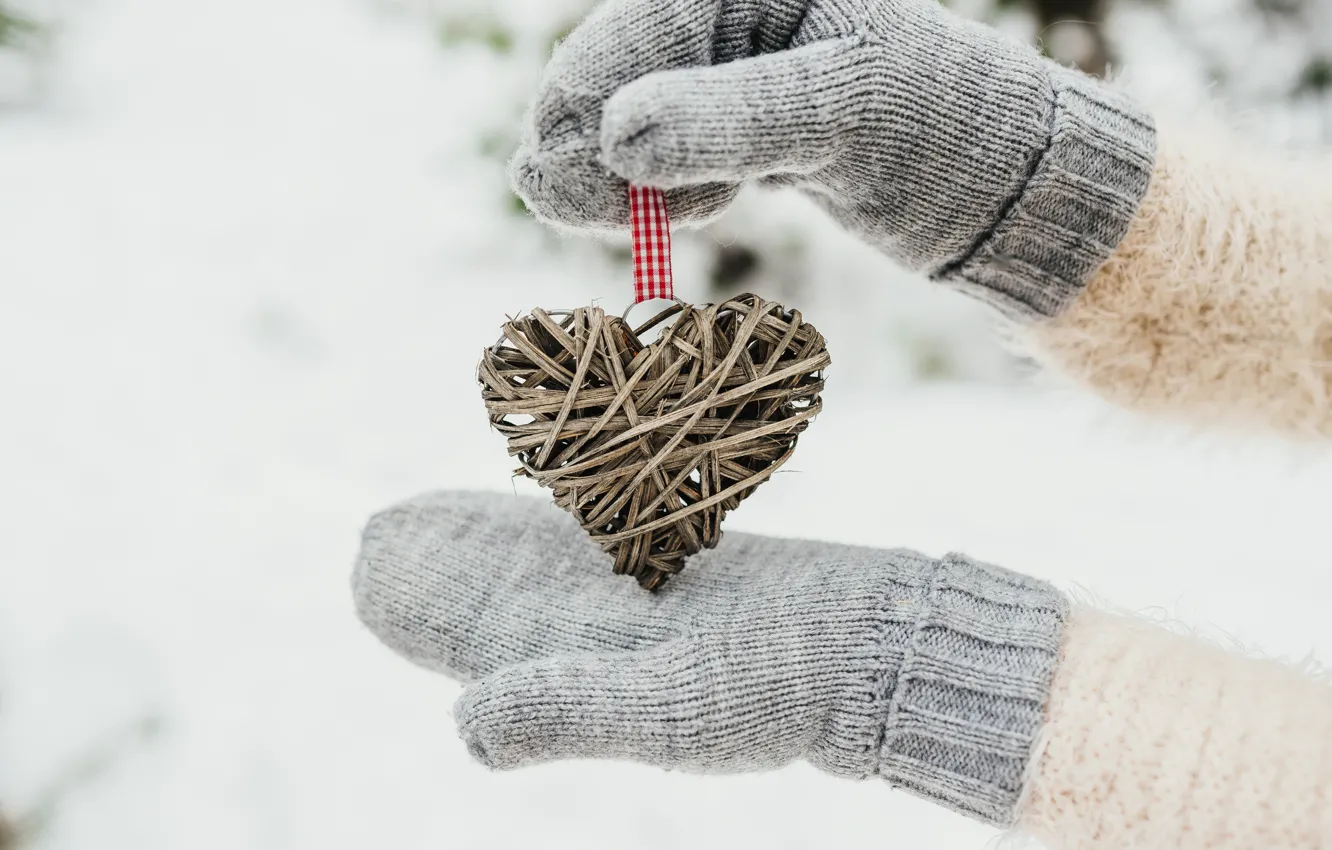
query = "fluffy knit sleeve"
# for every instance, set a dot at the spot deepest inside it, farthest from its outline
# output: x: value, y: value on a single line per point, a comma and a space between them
x: 1217, y: 305
x: 1154, y: 739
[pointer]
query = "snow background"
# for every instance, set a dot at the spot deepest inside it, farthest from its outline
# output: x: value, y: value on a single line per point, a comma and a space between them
x: 231, y: 238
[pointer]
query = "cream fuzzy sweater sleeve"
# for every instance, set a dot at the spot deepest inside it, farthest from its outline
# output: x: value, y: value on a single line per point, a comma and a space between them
x: 1156, y: 740
x: 1216, y: 308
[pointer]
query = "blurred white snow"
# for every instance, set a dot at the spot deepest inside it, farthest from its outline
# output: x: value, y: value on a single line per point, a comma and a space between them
x: 248, y: 254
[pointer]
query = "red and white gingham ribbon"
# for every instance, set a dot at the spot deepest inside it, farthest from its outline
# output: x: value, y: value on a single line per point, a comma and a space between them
x: 652, y: 244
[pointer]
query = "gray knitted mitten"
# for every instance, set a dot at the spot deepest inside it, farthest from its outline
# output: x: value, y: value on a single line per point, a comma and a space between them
x: 929, y: 673
x: 951, y: 148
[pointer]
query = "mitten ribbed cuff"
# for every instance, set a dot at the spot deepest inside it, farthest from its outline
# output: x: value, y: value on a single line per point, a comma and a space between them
x: 970, y: 695
x: 1073, y: 211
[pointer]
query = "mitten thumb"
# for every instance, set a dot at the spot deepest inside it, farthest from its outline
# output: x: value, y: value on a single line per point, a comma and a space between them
x: 778, y: 113
x: 643, y: 706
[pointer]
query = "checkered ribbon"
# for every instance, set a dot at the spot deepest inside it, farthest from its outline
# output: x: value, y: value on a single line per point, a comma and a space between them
x: 652, y: 244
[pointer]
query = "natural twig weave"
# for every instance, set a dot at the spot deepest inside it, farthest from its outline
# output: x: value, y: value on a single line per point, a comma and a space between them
x: 650, y: 445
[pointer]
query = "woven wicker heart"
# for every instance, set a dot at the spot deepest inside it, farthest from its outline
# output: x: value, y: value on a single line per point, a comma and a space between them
x: 649, y: 446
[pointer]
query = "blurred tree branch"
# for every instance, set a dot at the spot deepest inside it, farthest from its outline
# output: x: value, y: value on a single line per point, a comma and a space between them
x: 9, y: 834
x: 19, y: 830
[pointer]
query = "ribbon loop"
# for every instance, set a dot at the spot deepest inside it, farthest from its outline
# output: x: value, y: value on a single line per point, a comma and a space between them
x: 651, y: 231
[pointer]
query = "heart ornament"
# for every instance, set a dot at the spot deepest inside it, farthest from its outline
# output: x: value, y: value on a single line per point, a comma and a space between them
x: 650, y: 445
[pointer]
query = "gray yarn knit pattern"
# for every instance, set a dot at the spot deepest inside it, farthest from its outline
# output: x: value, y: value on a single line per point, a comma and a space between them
x: 953, y: 149
x: 932, y: 674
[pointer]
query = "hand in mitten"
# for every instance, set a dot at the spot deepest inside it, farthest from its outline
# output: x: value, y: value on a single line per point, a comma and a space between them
x: 932, y: 674
x: 956, y: 151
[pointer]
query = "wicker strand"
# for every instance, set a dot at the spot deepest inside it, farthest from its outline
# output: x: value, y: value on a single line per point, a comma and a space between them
x: 650, y: 446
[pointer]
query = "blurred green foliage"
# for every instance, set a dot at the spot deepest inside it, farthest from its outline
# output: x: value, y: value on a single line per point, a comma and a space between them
x: 476, y: 29
x: 495, y: 144
x: 560, y: 34
x: 1317, y: 77
x: 493, y: 33
x: 931, y: 358
x: 15, y: 29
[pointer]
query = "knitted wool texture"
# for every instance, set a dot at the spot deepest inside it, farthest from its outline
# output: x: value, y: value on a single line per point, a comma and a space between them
x: 1160, y: 740
x: 1205, y: 295
x: 955, y: 150
x: 1217, y: 305
x: 932, y: 674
